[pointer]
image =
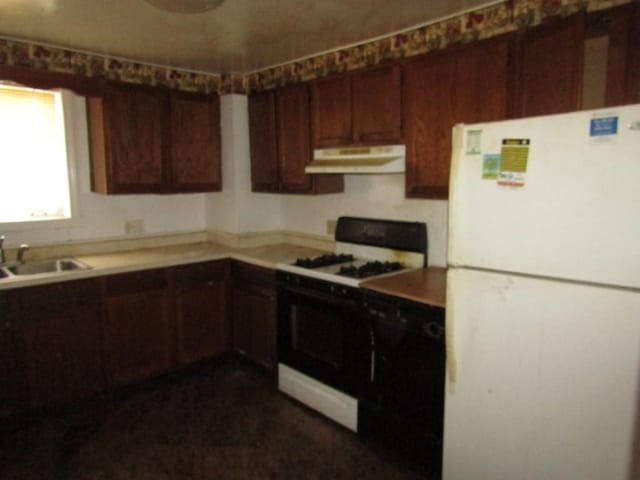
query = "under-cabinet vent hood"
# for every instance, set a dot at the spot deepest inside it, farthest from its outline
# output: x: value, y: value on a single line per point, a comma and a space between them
x: 381, y: 159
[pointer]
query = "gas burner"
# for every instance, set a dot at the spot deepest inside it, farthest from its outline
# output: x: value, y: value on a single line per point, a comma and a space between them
x: 323, y: 260
x: 369, y: 269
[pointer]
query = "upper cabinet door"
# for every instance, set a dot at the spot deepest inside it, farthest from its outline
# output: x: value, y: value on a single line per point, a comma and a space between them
x: 263, y: 142
x: 133, y: 122
x: 331, y: 111
x: 377, y: 107
x: 462, y: 84
x: 293, y: 137
x: 195, y: 142
x: 611, y: 62
x: 549, y: 77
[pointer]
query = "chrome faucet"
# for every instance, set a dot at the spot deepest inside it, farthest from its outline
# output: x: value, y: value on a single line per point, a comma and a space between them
x: 21, y: 249
x: 3, y: 258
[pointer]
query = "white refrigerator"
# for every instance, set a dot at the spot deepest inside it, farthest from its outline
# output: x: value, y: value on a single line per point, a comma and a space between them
x: 543, y: 299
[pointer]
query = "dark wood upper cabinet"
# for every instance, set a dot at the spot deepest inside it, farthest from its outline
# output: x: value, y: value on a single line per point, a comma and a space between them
x: 467, y: 84
x: 611, y: 63
x: 280, y: 143
x: 331, y: 110
x: 151, y: 140
x: 549, y: 68
x: 361, y: 108
x: 196, y: 163
x: 263, y: 142
x: 377, y: 105
x: 294, y: 143
x: 128, y: 139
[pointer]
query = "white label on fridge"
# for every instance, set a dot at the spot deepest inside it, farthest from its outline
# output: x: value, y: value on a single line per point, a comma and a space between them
x: 474, y: 142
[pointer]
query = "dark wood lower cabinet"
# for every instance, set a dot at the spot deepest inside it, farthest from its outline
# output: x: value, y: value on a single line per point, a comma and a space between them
x: 65, y: 341
x: 59, y: 328
x: 13, y: 395
x: 137, y: 326
x: 202, y: 292
x: 255, y: 314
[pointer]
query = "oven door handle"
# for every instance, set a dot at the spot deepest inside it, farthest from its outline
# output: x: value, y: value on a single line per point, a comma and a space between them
x: 336, y: 300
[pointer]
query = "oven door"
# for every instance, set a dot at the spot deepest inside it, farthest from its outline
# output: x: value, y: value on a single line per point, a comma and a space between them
x: 325, y: 336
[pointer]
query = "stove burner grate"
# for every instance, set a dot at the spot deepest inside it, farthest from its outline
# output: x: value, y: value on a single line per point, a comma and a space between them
x: 369, y: 269
x: 323, y: 260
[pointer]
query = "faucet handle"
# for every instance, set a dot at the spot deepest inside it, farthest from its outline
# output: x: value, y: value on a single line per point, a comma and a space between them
x: 21, y: 249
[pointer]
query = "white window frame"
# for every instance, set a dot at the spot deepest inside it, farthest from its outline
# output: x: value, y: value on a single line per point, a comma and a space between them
x: 68, y: 113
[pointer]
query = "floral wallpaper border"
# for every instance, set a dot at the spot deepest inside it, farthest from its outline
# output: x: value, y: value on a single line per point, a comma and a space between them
x: 482, y: 23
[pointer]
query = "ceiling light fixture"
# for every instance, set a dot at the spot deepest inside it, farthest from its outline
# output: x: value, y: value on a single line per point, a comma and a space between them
x: 186, y: 6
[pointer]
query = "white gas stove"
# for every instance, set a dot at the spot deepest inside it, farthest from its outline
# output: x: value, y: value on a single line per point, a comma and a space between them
x: 366, y: 249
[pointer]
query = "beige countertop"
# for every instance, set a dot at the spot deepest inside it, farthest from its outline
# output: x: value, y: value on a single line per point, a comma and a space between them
x: 424, y: 285
x: 147, y: 258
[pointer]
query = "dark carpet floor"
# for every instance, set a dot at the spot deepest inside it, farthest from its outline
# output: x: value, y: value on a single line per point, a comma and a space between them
x: 222, y: 420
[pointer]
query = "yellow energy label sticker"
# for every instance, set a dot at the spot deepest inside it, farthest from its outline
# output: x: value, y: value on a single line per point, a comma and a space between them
x: 513, y: 162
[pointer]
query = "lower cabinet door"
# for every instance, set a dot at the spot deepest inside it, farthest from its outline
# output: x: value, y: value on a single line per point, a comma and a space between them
x: 137, y: 336
x: 60, y: 332
x: 254, y: 317
x: 203, y: 329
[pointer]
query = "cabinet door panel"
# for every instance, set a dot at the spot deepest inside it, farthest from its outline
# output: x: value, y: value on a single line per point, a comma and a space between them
x: 60, y: 326
x: 254, y: 314
x: 12, y: 372
x: 201, y: 310
x: 202, y: 322
x: 195, y: 142
x: 550, y: 68
x: 465, y: 84
x: 262, y: 136
x: 331, y: 111
x: 137, y: 332
x: 429, y: 116
x: 134, y: 139
x: 377, y: 109
x: 293, y: 138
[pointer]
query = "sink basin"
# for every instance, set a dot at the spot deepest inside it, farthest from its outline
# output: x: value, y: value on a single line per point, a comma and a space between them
x: 3, y: 273
x: 48, y: 266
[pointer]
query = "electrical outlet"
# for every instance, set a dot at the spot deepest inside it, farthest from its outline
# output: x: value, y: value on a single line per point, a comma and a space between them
x: 134, y: 227
x: 331, y: 226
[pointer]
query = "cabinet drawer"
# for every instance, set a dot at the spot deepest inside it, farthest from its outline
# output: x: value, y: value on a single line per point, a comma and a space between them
x: 199, y: 273
x: 136, y: 282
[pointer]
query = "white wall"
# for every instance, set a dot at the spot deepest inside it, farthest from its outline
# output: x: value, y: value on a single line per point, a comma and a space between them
x: 103, y: 217
x: 236, y: 210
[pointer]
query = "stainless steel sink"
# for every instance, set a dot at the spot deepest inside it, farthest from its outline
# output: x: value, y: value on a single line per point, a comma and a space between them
x: 47, y: 266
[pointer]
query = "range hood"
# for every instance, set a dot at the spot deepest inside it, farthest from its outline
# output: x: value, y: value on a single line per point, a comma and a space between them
x: 380, y: 159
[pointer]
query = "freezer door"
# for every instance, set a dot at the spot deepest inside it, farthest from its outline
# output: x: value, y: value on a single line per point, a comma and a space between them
x: 545, y: 379
x: 573, y: 212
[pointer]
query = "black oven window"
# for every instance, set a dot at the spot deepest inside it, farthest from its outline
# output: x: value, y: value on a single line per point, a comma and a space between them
x: 317, y: 334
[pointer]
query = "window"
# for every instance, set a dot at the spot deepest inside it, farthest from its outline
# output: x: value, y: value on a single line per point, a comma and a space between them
x: 33, y: 156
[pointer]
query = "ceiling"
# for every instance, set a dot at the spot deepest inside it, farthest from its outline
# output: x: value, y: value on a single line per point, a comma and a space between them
x: 240, y: 36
